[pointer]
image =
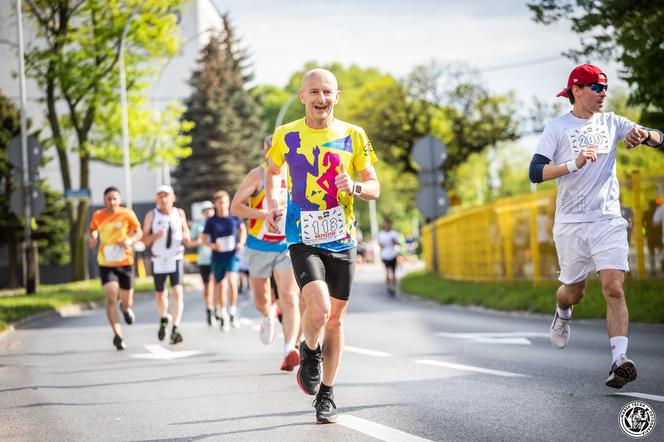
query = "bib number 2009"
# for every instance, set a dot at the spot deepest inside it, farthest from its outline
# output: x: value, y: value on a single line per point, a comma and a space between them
x: 321, y: 226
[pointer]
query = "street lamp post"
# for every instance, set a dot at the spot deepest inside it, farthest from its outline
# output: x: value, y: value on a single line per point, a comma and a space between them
x: 123, y: 104
x: 29, y: 263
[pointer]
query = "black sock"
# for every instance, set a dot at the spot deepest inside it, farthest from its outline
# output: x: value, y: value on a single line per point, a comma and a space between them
x: 164, y: 320
x: 175, y: 328
x: 324, y: 389
x: 310, y: 351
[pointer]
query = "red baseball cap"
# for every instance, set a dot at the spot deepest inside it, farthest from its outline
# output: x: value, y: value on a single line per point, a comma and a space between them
x: 584, y: 74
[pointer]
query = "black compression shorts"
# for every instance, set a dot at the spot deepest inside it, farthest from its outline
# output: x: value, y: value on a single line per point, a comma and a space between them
x: 315, y: 264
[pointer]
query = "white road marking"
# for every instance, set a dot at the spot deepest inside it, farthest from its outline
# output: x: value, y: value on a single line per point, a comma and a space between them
x: 652, y: 397
x: 367, y: 352
x: 381, y: 432
x: 514, y: 338
x: 462, y: 367
x: 156, y: 351
x: 246, y: 321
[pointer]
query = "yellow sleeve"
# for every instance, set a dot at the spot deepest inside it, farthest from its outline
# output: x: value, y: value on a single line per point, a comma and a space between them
x: 363, y: 153
x: 278, y: 150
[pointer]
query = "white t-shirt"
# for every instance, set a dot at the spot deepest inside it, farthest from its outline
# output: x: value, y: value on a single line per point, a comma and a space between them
x: 388, y: 242
x: 591, y: 193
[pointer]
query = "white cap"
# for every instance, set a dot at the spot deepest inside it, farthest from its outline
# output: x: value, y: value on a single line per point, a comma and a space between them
x: 165, y: 188
x: 206, y: 205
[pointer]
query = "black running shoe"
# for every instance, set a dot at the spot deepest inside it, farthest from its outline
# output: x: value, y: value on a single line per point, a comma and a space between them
x: 162, y: 329
x: 326, y: 409
x: 176, y: 337
x: 129, y: 316
x: 308, y: 375
x: 209, y: 317
x: 119, y: 343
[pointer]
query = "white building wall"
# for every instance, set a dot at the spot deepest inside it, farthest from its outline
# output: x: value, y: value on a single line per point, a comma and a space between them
x: 198, y: 16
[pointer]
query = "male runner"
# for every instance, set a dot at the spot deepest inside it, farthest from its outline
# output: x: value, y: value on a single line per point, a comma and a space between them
x: 204, y: 256
x: 389, y: 240
x: 226, y: 235
x: 267, y: 256
x: 165, y: 229
x: 579, y: 150
x: 323, y: 155
x: 116, y: 229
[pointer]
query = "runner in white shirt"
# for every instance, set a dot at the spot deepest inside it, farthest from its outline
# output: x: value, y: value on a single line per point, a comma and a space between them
x: 389, y: 241
x: 578, y: 149
x: 165, y: 229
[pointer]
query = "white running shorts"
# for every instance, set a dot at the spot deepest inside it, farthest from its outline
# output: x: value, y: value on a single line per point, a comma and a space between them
x: 582, y: 246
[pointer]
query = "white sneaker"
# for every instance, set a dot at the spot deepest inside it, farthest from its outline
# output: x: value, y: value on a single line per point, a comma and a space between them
x: 235, y: 321
x: 559, y: 331
x: 622, y: 372
x: 225, y: 323
x: 268, y: 330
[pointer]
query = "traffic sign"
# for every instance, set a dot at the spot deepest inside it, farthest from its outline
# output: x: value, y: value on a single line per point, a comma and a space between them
x: 38, y: 202
x: 429, y: 152
x: 432, y: 201
x: 77, y: 194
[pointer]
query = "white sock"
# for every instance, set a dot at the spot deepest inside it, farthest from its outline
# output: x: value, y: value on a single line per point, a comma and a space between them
x: 618, y: 347
x: 233, y: 310
x: 564, y: 313
x: 272, y: 313
x: 224, y: 312
x: 288, y: 347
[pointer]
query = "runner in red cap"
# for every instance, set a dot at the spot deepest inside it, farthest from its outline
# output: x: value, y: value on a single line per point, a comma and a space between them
x: 578, y: 149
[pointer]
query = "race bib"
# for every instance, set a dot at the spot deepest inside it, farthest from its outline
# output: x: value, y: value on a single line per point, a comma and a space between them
x: 321, y: 226
x: 588, y: 136
x: 227, y: 243
x: 114, y: 253
x: 165, y: 264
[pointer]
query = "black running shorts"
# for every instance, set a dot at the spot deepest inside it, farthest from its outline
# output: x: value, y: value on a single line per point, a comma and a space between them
x: 315, y: 264
x: 124, y: 276
x: 390, y: 264
x: 205, y: 270
x: 177, y: 277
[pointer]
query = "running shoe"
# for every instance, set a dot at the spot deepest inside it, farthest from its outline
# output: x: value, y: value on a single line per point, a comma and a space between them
x: 163, y: 324
x: 129, y: 316
x: 176, y: 337
x: 326, y: 409
x: 622, y: 372
x: 224, y: 323
x: 119, y: 343
x: 235, y: 321
x: 209, y: 317
x: 268, y: 330
x: 559, y: 331
x: 291, y: 361
x: 308, y: 375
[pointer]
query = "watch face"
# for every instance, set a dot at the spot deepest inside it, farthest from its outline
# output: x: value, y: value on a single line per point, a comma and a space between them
x: 358, y: 189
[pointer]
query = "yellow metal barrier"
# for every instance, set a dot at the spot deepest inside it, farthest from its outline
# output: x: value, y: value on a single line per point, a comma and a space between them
x: 511, y: 238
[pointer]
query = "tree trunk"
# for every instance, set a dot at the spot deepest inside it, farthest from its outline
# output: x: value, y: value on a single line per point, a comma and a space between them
x: 12, y: 248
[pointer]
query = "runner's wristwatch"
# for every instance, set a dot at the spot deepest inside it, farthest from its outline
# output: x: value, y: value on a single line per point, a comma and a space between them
x: 357, y: 189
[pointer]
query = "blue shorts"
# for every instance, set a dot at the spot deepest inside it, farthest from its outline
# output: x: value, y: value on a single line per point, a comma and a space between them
x: 223, y: 265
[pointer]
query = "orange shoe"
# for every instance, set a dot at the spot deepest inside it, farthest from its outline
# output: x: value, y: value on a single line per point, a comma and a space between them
x: 291, y: 361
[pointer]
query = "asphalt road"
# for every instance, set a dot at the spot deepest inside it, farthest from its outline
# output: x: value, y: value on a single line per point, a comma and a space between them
x: 412, y: 370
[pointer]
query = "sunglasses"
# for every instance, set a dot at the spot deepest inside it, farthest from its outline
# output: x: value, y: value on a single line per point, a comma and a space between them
x: 596, y: 87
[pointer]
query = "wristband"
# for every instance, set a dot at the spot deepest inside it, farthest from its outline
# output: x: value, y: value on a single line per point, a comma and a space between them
x: 645, y: 141
x: 571, y: 166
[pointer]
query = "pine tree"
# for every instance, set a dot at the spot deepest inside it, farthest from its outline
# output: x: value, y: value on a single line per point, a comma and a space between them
x: 227, y: 139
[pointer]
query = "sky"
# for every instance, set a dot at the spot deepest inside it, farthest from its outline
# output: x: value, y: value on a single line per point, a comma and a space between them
x: 397, y: 35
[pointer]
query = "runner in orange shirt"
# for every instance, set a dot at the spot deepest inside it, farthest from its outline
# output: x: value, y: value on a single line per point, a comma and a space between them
x: 116, y: 229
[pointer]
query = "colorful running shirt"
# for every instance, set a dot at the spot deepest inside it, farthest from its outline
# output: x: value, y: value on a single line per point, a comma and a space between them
x: 223, y: 231
x: 591, y: 193
x: 113, y: 228
x: 317, y: 214
x: 259, y: 238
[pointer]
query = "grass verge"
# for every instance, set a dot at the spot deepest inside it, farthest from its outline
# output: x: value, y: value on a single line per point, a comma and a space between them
x: 645, y: 299
x: 15, y: 306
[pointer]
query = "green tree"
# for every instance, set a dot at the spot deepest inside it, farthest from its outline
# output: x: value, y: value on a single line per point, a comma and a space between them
x: 75, y: 64
x: 627, y: 30
x: 228, y: 137
x: 11, y: 229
